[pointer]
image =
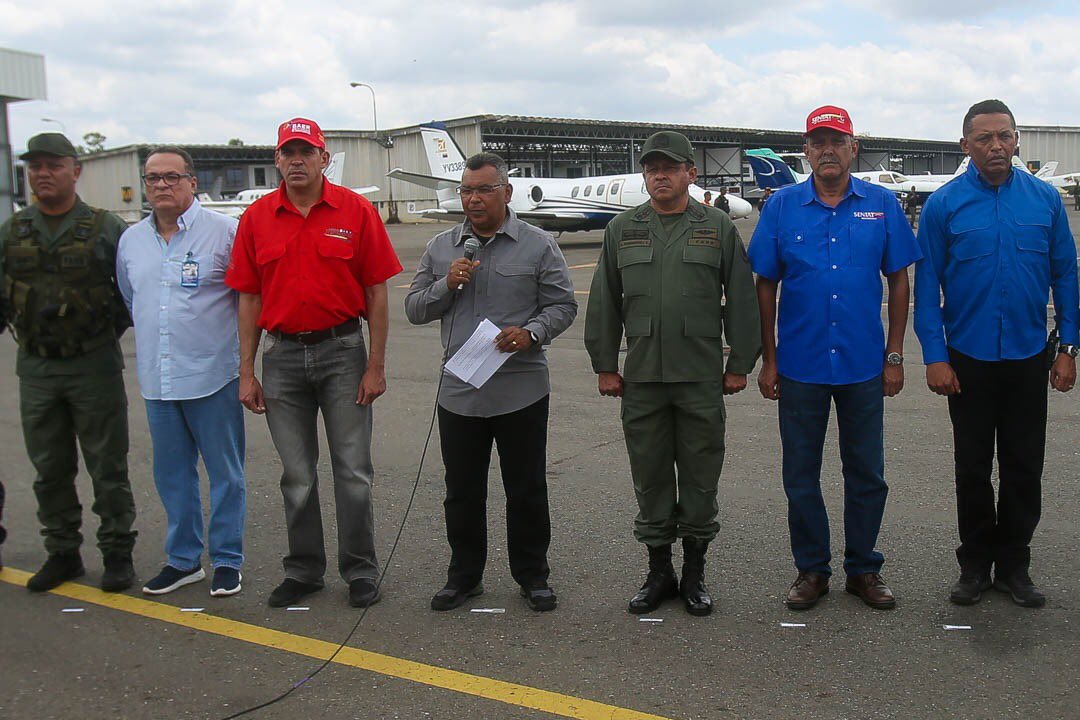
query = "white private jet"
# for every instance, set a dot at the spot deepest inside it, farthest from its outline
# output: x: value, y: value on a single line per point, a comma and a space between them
x: 554, y: 204
x: 772, y: 170
x: 236, y: 207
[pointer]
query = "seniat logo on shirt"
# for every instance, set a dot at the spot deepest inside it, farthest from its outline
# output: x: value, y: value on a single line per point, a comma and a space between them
x: 867, y: 215
x: 339, y: 233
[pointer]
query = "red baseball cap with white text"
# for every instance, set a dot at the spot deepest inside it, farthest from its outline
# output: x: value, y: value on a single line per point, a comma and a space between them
x: 301, y: 129
x: 829, y: 116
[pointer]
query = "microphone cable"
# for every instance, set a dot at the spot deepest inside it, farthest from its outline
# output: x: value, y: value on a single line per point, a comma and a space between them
x: 393, y: 548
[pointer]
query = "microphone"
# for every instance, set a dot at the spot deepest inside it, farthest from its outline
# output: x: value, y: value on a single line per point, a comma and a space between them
x: 471, y: 246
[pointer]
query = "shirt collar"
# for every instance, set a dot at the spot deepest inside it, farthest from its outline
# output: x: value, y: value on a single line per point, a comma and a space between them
x: 511, y: 227
x: 330, y: 194
x: 187, y: 218
x: 808, y: 193
x: 976, y: 176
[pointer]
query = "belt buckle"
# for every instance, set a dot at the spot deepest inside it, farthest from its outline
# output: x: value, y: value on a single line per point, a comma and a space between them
x: 302, y: 337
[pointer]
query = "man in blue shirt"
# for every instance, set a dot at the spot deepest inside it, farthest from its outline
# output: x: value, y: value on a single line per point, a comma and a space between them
x: 828, y: 240
x: 996, y: 243
x: 171, y: 271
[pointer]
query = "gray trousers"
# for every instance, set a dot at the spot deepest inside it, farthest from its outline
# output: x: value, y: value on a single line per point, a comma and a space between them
x: 298, y: 382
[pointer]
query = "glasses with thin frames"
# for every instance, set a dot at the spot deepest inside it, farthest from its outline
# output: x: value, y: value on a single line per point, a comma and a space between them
x: 170, y: 179
x: 464, y: 191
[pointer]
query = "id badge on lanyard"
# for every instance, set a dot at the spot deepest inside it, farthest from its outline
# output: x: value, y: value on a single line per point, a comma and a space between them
x: 189, y: 272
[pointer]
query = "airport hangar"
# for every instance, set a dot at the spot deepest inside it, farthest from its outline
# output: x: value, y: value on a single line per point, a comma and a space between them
x: 538, y: 147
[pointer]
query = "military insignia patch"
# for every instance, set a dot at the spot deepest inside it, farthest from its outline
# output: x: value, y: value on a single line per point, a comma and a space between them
x: 705, y: 237
x: 634, y: 238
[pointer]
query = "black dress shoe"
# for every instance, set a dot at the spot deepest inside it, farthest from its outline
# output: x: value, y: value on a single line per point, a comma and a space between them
x: 363, y: 592
x: 969, y: 588
x: 451, y: 597
x: 291, y: 590
x: 119, y: 572
x: 58, y: 569
x: 1017, y: 584
x: 540, y: 596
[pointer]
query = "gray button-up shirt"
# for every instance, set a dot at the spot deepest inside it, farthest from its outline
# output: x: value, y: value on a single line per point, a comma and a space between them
x: 522, y: 281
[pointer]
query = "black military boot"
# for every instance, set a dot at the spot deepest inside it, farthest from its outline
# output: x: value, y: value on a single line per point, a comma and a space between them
x: 660, y: 584
x: 58, y: 569
x: 692, y: 586
x: 119, y: 572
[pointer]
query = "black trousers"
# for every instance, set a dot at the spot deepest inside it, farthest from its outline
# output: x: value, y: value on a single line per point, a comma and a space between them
x: 521, y: 438
x: 1002, y: 402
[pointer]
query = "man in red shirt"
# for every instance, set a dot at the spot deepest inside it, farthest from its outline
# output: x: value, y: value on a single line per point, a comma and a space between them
x: 309, y: 261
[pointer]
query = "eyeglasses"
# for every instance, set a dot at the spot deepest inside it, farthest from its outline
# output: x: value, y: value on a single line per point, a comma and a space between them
x: 169, y: 178
x: 482, y: 190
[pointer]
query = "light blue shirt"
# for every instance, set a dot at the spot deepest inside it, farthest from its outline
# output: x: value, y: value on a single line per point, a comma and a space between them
x: 186, y: 342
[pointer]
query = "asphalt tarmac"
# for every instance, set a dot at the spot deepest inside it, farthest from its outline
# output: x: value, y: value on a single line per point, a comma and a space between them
x: 126, y: 657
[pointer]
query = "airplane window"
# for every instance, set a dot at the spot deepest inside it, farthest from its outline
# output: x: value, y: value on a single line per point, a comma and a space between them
x: 898, y: 178
x: 615, y: 188
x: 574, y: 192
x: 885, y: 178
x: 588, y: 190
x: 599, y: 190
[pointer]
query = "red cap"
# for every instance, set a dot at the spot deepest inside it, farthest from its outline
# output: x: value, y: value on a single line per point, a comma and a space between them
x: 301, y: 129
x: 829, y: 116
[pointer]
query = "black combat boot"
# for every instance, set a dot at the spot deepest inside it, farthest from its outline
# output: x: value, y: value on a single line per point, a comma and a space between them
x: 58, y: 569
x: 660, y: 584
x: 119, y: 572
x: 692, y: 587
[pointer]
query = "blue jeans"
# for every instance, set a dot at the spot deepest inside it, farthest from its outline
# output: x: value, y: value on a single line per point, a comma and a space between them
x: 804, y: 417
x: 299, y: 382
x: 181, y: 431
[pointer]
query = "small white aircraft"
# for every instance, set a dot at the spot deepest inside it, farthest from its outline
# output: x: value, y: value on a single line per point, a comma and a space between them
x: 772, y: 170
x: 554, y: 204
x: 236, y: 207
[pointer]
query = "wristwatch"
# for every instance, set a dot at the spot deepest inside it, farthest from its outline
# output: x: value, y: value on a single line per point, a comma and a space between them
x: 536, y: 340
x: 1070, y: 350
x: 894, y: 358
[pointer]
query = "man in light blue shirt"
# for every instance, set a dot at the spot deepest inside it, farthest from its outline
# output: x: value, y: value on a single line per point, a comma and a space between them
x: 170, y: 268
x: 996, y: 243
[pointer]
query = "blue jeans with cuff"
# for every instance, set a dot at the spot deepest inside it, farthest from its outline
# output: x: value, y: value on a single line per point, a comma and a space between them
x: 181, y: 431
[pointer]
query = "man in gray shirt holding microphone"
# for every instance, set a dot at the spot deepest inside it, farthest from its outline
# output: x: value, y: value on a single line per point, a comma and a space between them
x: 518, y: 279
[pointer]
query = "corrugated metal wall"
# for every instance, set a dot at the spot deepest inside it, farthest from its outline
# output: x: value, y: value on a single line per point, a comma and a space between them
x: 1044, y: 144
x: 22, y: 75
x: 104, y: 178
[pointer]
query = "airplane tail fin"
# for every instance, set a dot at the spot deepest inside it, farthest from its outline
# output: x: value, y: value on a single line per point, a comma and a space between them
x: 445, y: 159
x: 1047, y: 170
x: 770, y: 170
x: 336, y: 168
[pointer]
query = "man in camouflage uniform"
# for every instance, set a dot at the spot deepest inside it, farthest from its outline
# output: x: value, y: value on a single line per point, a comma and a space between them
x: 57, y: 261
x: 663, y: 273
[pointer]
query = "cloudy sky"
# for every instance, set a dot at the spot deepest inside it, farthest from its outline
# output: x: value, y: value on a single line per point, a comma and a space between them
x: 198, y: 71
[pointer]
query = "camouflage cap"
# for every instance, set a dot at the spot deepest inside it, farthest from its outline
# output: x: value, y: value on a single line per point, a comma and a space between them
x: 50, y: 143
x: 672, y: 144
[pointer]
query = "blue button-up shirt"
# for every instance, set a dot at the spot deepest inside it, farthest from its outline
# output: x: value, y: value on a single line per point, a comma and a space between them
x: 186, y: 342
x: 995, y: 254
x: 829, y: 263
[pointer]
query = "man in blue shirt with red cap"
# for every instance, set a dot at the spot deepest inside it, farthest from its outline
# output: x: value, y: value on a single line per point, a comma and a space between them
x: 829, y: 240
x: 996, y: 244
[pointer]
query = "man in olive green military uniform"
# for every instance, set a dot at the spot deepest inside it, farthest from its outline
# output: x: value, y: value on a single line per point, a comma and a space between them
x: 664, y: 271
x: 57, y: 261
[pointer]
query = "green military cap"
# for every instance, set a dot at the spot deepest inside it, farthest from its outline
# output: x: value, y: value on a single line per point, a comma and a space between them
x: 50, y: 143
x: 667, y: 142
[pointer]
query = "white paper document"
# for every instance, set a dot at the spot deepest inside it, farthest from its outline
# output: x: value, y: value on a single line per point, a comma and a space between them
x: 478, y: 358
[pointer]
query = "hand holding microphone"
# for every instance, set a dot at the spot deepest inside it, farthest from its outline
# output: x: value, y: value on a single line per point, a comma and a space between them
x: 460, y: 272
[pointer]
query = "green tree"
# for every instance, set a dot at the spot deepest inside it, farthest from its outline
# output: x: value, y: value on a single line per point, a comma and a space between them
x: 235, y: 142
x: 95, y: 142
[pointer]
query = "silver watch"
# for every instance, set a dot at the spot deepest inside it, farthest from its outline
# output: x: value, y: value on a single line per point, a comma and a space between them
x: 536, y: 340
x: 1070, y: 350
x: 894, y: 358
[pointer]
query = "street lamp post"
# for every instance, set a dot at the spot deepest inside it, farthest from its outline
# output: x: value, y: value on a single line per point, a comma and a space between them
x: 62, y: 128
x: 391, y: 207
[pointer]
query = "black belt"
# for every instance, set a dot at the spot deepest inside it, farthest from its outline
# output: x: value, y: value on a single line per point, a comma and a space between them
x: 314, y: 337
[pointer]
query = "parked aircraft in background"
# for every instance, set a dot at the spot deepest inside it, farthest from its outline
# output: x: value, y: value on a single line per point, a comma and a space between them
x: 554, y: 204
x: 244, y: 198
x: 771, y: 170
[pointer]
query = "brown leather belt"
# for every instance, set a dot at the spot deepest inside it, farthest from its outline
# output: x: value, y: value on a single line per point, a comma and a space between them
x: 314, y: 337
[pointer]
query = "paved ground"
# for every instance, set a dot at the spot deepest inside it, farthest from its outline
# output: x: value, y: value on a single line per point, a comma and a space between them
x: 133, y: 659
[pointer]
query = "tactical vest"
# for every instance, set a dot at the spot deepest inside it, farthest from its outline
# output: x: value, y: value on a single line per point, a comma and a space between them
x: 62, y: 301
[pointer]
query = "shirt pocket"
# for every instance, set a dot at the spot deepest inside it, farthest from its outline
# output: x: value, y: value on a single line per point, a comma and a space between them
x: 269, y: 252
x: 335, y: 248
x: 866, y: 241
x: 800, y: 251
x: 635, y: 266
x: 513, y: 288
x: 701, y: 271
x: 1033, y: 233
x: 973, y: 238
